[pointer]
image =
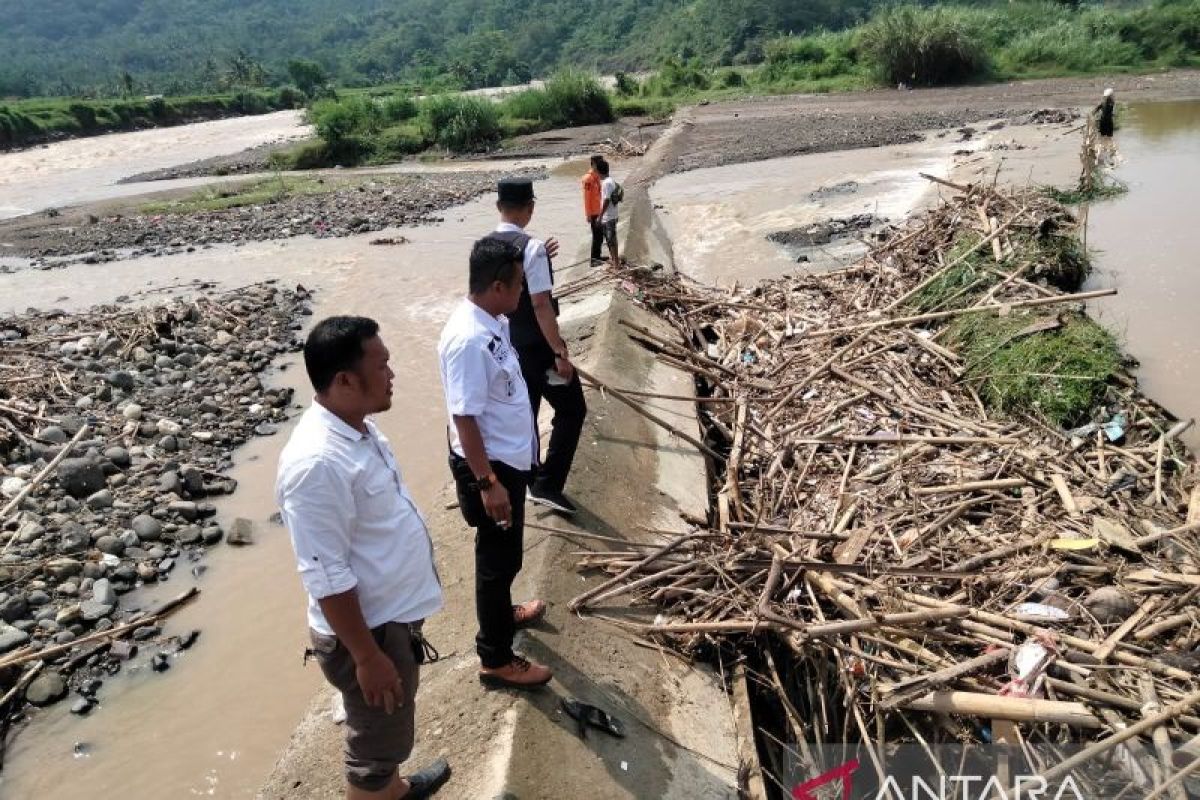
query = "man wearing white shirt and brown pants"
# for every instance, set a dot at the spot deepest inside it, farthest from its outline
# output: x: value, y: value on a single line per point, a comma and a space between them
x: 364, y: 555
x: 493, y: 449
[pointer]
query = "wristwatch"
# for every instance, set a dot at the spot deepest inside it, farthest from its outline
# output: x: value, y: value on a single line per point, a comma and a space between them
x: 484, y: 483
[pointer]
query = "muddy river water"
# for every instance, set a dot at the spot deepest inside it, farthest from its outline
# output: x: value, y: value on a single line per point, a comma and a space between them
x: 83, y: 170
x: 213, y: 725
x: 1147, y: 243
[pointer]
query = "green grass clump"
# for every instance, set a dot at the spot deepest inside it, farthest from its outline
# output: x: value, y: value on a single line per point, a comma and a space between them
x: 569, y: 98
x: 461, y: 123
x: 1103, y: 186
x: 653, y: 107
x: 923, y: 46
x: 238, y: 195
x: 1062, y: 260
x: 312, y: 154
x: 961, y: 285
x: 400, y: 108
x: 1059, y: 375
x: 398, y: 141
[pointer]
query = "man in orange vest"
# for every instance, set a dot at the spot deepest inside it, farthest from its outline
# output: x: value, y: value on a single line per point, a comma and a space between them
x: 592, y: 205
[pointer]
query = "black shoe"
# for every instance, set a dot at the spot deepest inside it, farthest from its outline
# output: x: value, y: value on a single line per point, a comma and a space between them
x: 426, y: 782
x: 552, y: 499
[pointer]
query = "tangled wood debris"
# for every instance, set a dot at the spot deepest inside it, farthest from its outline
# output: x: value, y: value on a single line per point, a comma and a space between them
x: 879, y: 526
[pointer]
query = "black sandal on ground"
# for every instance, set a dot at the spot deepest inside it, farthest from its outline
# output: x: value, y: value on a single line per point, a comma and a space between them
x: 426, y: 782
x: 598, y: 718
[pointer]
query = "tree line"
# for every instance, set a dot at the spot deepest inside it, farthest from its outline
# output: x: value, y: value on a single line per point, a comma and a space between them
x: 111, y: 48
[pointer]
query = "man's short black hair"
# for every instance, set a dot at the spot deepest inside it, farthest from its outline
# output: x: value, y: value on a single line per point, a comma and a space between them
x: 336, y: 345
x: 493, y: 260
x: 602, y: 167
x: 597, y: 160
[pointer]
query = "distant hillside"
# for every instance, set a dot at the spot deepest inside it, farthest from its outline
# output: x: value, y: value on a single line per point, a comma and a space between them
x: 110, y: 47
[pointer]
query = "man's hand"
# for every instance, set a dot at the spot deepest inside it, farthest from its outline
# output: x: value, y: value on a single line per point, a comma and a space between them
x: 497, y: 505
x: 552, y: 247
x: 564, y: 368
x: 379, y: 681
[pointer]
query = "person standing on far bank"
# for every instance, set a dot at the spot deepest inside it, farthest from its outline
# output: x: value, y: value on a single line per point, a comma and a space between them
x: 493, y: 448
x: 1107, y: 111
x: 364, y: 556
x: 592, y: 206
x: 1106, y: 124
x: 545, y: 362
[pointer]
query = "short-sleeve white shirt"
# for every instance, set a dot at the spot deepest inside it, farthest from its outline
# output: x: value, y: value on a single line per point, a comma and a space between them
x: 537, y: 261
x: 481, y: 378
x: 353, y: 523
x: 607, y: 187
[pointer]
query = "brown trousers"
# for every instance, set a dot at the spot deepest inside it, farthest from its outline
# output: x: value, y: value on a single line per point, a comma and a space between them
x: 376, y: 742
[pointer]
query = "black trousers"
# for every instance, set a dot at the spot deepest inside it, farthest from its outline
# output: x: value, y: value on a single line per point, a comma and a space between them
x: 597, y: 237
x: 570, y: 409
x: 498, y: 557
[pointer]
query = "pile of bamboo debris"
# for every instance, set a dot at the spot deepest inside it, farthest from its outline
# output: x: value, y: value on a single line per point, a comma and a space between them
x: 871, y: 513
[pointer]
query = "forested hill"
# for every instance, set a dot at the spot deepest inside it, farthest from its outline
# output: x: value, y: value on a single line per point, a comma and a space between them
x: 64, y: 47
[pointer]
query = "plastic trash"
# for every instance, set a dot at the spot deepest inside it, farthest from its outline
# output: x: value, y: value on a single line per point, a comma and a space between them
x: 1041, y: 611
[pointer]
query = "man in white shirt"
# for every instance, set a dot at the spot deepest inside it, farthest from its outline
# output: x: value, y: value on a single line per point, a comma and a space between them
x: 364, y: 555
x: 608, y: 212
x: 545, y: 363
x: 493, y: 448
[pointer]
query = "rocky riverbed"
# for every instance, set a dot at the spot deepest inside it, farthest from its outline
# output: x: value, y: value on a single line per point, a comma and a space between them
x: 349, y: 206
x: 150, y: 404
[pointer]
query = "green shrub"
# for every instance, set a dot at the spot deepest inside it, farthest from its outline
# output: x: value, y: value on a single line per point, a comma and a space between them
x: 678, y: 77
x: 627, y: 85
x: 806, y: 50
x: 336, y: 120
x: 251, y: 103
x: 922, y: 46
x: 398, y: 141
x: 653, y: 107
x: 84, y: 114
x: 290, y: 97
x: 731, y: 79
x: 568, y: 99
x: 399, y: 108
x: 461, y: 123
x: 1165, y: 31
x: 306, y: 155
x: 515, y: 126
x: 1067, y: 46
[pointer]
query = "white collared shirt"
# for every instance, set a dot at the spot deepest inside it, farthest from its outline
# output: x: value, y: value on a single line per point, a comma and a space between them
x: 607, y: 187
x: 481, y: 378
x: 353, y: 522
x: 537, y: 261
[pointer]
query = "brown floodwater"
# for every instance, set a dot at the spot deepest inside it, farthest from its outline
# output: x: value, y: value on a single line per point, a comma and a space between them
x: 1145, y: 244
x: 214, y: 724
x: 719, y: 218
x: 83, y: 170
